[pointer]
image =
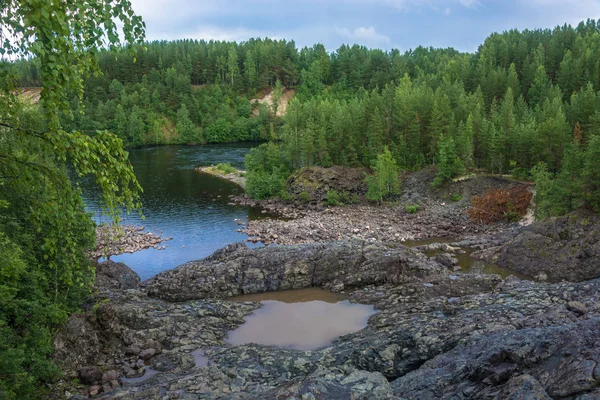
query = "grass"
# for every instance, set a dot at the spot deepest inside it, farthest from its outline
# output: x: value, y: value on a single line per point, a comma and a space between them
x: 226, y: 168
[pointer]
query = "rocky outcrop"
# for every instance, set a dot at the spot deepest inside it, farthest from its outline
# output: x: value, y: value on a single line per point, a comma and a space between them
x: 436, y: 334
x: 112, y: 275
x: 537, y: 363
x: 343, y: 265
x: 317, y: 181
x: 565, y: 248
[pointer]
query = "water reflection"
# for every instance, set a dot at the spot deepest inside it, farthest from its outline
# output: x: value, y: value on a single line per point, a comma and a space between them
x: 306, y: 325
x: 181, y: 203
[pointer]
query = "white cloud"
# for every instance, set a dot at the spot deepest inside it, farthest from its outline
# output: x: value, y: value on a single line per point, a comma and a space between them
x: 418, y: 5
x: 364, y: 35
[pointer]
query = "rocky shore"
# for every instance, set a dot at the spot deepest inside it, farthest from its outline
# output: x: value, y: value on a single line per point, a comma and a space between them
x: 112, y: 240
x: 420, y: 213
x: 437, y: 333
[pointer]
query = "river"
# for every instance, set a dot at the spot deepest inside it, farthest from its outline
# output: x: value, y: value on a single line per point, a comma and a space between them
x: 182, y: 203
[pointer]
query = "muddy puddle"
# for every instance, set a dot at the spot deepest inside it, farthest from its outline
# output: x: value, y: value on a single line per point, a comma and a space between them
x: 300, y: 319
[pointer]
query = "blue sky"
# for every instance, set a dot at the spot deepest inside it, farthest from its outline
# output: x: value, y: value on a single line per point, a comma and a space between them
x: 386, y: 24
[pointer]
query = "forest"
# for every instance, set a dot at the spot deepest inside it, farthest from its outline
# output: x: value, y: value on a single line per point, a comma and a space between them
x: 519, y: 105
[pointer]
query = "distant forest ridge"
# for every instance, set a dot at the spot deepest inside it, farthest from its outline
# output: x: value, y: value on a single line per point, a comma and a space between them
x: 524, y: 98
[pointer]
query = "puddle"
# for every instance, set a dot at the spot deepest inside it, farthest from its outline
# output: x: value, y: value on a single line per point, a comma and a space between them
x: 148, y: 373
x: 294, y: 296
x: 301, y: 324
x: 424, y: 242
x: 465, y: 261
x: 200, y: 358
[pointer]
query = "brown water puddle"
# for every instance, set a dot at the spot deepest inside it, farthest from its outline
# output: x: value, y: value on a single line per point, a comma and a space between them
x: 300, y: 319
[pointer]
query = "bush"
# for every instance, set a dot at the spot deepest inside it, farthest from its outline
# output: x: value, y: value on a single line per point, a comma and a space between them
x: 501, y: 205
x: 412, y: 208
x: 263, y: 185
x: 266, y: 171
x: 226, y: 168
x: 304, y: 197
x: 455, y: 197
x: 333, y: 198
x: 384, y: 181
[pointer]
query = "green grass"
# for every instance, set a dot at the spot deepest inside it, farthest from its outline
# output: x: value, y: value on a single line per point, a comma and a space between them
x: 226, y: 168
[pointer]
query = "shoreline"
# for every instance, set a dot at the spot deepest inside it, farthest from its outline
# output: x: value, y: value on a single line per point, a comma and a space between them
x: 234, y: 177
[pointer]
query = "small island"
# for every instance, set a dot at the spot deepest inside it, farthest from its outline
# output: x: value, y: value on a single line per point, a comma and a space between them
x: 226, y: 171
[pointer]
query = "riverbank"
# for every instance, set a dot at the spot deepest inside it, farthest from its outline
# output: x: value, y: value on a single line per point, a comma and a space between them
x: 437, y: 333
x: 421, y: 212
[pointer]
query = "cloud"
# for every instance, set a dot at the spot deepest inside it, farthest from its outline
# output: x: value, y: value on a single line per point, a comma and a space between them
x: 365, y: 35
x: 420, y: 5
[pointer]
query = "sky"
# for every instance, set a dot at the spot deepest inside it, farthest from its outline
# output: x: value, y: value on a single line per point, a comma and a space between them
x: 384, y: 24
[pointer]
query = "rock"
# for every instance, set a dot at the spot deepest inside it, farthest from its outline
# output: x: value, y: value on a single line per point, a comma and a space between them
x: 577, y: 307
x: 90, y: 374
x: 148, y: 353
x: 94, y: 390
x: 112, y: 275
x: 524, y: 387
x: 153, y: 344
x: 564, y: 248
x: 446, y: 260
x: 109, y: 376
x: 77, y: 344
x: 291, y: 267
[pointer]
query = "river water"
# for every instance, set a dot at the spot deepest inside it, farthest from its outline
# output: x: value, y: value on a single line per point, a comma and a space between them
x: 182, y: 203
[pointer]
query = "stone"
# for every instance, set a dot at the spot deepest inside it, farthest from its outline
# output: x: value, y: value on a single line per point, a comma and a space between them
x: 90, y: 374
x: 577, y: 307
x: 111, y: 375
x: 94, y: 390
x: 147, y: 354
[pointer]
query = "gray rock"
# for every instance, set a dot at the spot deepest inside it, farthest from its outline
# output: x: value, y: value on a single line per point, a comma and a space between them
x: 148, y: 353
x: 565, y: 248
x: 237, y: 269
x: 90, y: 374
x: 112, y: 275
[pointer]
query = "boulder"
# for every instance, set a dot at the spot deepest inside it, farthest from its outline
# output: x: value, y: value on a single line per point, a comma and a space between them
x: 240, y: 270
x: 112, y: 275
x: 565, y: 248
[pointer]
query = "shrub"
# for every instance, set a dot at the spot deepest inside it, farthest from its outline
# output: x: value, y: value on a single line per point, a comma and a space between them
x: 412, y: 208
x: 304, y: 197
x: 226, y: 168
x: 333, y: 198
x: 266, y: 171
x: 501, y: 205
x: 455, y: 197
x: 384, y: 181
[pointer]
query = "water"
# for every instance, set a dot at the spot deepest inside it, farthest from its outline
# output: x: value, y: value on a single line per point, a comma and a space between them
x: 465, y: 261
x: 148, y: 373
x: 304, y: 319
x: 182, y: 203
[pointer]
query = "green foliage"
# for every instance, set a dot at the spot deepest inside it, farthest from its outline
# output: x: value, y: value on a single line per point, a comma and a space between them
x: 304, y: 197
x: 44, y: 229
x: 449, y: 164
x: 266, y: 171
x: 456, y: 197
x: 226, y: 168
x: 333, y: 198
x: 384, y: 182
x: 412, y: 208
